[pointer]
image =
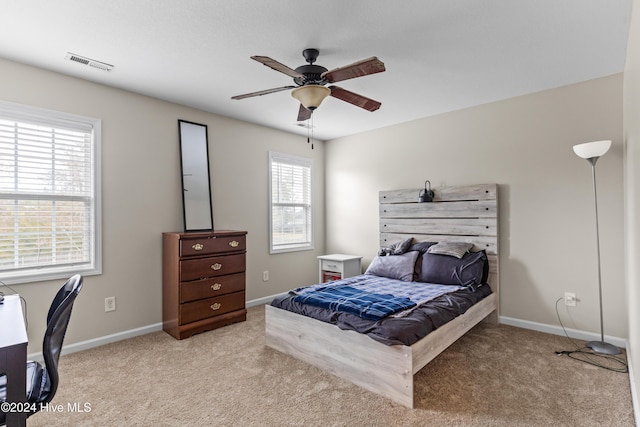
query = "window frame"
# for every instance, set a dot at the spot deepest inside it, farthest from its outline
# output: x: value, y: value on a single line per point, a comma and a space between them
x: 46, y: 117
x: 299, y: 161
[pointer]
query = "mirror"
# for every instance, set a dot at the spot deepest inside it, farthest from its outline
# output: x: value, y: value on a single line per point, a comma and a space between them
x: 196, y: 185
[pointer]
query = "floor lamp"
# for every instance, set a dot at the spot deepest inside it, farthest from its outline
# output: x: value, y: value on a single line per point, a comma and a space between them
x: 592, y: 151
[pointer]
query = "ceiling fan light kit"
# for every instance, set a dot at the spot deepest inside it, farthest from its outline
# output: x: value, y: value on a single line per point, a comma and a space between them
x: 311, y: 96
x: 310, y: 81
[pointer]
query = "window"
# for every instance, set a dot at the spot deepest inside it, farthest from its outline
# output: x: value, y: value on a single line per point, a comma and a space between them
x: 49, y: 194
x: 290, y: 203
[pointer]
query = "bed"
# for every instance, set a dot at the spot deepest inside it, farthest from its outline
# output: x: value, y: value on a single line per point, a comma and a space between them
x: 457, y: 214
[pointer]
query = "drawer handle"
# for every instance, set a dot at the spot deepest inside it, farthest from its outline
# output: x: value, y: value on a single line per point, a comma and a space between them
x: 234, y: 244
x: 332, y: 265
x: 197, y: 247
x: 216, y: 287
x: 216, y: 266
x: 216, y: 306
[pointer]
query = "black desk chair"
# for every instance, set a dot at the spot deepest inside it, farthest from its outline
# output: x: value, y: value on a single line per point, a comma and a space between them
x: 42, y: 382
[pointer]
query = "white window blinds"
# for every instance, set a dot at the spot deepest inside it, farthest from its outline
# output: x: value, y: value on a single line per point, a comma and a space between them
x: 290, y: 189
x: 48, y: 194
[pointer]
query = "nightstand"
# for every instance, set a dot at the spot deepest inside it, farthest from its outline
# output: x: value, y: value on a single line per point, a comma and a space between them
x: 338, y: 266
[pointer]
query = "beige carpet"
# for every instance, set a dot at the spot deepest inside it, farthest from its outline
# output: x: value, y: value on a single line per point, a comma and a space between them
x: 493, y: 376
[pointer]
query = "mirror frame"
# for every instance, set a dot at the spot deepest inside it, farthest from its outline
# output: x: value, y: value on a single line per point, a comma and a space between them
x: 195, y: 135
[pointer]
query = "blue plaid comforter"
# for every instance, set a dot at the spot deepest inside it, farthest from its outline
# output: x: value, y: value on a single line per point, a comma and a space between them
x: 370, y: 297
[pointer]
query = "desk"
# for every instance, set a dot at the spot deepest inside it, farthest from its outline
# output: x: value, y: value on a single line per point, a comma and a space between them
x: 13, y: 355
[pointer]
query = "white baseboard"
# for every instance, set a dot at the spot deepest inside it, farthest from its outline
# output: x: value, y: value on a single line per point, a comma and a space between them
x: 634, y: 391
x: 264, y: 300
x: 557, y: 330
x: 97, y: 342
x: 108, y: 339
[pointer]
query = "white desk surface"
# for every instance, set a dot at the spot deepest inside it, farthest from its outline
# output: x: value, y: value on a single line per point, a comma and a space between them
x: 13, y: 330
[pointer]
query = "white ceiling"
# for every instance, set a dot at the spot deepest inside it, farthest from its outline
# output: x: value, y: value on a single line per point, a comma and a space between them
x: 440, y: 55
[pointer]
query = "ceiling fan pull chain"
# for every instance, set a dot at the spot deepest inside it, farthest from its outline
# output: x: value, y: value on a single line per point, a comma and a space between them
x: 312, y: 130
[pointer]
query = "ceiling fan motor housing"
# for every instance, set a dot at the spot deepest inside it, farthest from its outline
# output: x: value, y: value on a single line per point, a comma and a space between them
x: 312, y: 75
x: 310, y: 55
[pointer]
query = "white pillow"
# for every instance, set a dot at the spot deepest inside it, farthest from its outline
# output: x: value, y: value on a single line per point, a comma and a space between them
x: 456, y: 249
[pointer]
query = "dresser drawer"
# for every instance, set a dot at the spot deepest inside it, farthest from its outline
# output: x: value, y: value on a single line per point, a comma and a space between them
x: 200, y: 268
x: 207, y: 288
x: 202, y: 309
x: 211, y: 245
x: 330, y: 265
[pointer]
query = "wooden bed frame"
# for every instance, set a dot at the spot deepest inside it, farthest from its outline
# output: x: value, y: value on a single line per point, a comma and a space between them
x: 468, y: 214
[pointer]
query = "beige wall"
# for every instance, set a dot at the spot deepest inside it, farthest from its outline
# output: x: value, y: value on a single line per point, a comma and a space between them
x: 547, y: 226
x: 142, y: 198
x: 524, y: 144
x: 632, y: 188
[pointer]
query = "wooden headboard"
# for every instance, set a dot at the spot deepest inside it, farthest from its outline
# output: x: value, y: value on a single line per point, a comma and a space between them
x: 466, y: 213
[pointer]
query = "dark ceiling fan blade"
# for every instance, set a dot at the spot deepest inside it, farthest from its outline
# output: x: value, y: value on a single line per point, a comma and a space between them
x: 262, y: 92
x: 272, y: 63
x: 355, y: 99
x: 357, y: 69
x: 303, y: 114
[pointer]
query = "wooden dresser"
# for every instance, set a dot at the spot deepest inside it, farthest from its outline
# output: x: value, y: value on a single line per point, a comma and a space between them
x: 203, y: 281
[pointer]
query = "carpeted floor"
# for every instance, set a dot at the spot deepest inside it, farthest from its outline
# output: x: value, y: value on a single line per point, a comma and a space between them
x: 493, y: 376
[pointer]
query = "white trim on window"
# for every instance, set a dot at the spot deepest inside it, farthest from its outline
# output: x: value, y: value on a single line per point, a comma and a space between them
x: 49, y: 173
x: 290, y: 206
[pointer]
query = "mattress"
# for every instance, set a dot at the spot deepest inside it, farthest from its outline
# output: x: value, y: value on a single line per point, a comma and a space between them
x: 402, y: 329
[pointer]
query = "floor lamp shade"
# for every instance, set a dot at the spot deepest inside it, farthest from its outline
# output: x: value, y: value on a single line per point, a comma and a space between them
x: 592, y: 151
x: 589, y: 150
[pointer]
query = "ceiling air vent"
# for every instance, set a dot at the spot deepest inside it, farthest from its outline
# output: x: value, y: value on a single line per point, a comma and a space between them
x: 89, y: 62
x: 303, y: 125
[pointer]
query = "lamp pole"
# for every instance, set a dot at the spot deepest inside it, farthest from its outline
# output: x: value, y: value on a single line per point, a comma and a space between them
x: 599, y: 346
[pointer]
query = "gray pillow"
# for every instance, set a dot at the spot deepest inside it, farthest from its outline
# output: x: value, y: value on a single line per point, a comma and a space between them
x: 399, y: 267
x: 456, y: 249
x: 471, y: 270
x: 397, y: 248
x: 421, y: 247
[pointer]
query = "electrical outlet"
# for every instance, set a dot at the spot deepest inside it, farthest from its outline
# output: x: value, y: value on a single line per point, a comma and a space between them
x: 570, y: 299
x: 265, y: 276
x: 110, y: 304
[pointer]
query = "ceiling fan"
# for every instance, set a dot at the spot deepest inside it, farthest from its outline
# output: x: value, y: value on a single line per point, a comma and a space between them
x: 310, y: 81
